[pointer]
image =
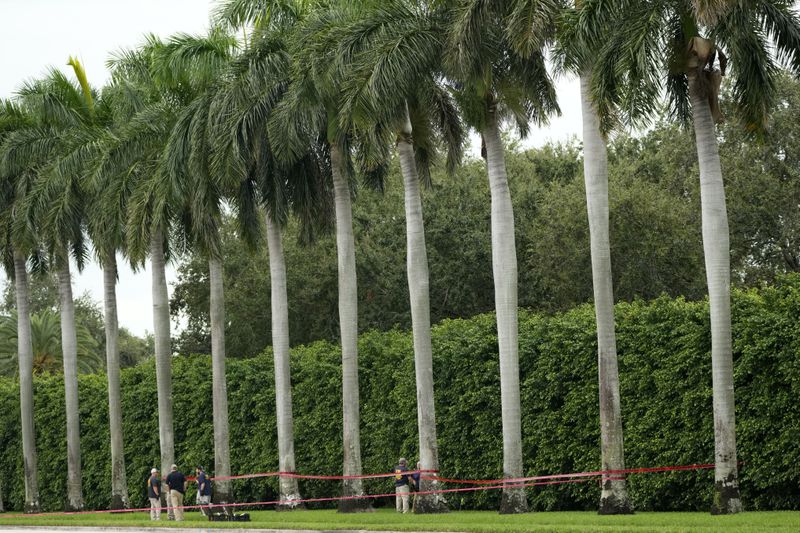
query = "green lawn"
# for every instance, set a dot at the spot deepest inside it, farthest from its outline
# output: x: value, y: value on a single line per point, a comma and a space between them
x: 467, y: 521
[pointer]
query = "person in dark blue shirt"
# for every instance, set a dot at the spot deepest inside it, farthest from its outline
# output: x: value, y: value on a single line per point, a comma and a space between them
x: 154, y: 494
x: 176, y: 482
x: 401, y: 488
x: 203, y: 489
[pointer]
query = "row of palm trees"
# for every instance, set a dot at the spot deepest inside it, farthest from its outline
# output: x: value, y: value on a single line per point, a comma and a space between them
x: 316, y: 93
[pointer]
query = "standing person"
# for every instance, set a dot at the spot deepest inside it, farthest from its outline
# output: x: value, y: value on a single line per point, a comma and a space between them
x: 401, y: 488
x: 154, y: 494
x: 203, y: 490
x: 176, y: 482
x: 415, y: 484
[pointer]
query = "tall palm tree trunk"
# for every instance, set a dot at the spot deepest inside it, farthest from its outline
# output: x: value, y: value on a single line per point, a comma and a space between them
x: 219, y: 388
x: 348, y: 325
x: 222, y: 460
x: 614, y: 494
x: 280, y: 351
x: 25, y: 359
x: 166, y: 434
x: 716, y: 249
x: 119, y: 485
x: 504, y: 268
x: 419, y: 292
x: 69, y: 347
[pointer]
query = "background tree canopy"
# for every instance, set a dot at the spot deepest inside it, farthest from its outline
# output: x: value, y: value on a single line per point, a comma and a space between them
x: 47, y: 330
x: 656, y: 244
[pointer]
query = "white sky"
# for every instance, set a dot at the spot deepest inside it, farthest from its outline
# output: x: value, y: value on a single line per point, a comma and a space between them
x: 35, y: 34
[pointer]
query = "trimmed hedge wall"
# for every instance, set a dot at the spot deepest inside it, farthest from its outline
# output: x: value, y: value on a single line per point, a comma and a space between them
x: 664, y: 350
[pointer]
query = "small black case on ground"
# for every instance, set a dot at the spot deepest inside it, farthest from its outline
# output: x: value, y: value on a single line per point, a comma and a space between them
x: 233, y: 517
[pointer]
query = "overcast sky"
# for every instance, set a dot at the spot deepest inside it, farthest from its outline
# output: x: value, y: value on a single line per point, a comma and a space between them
x: 36, y: 34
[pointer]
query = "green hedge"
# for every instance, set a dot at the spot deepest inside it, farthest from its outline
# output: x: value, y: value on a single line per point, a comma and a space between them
x: 664, y: 349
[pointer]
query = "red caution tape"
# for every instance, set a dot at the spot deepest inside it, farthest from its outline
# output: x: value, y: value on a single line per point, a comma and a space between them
x: 484, y: 484
x: 603, y: 473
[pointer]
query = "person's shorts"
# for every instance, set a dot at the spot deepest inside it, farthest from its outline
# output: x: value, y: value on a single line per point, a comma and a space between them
x: 204, y: 499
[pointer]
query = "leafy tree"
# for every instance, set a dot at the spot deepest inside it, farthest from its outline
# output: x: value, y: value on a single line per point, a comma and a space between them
x: 132, y: 349
x: 762, y: 188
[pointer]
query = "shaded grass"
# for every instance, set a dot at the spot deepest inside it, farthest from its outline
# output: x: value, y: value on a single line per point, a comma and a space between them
x: 465, y: 521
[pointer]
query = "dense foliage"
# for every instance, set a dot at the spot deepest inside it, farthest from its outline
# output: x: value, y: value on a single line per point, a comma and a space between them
x: 664, y: 348
x: 656, y: 246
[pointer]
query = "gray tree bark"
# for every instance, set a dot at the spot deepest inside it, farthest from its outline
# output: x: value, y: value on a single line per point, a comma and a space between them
x: 504, y: 269
x: 290, y: 492
x: 348, y: 325
x: 25, y: 359
x: 614, y: 495
x: 419, y: 292
x: 119, y: 484
x: 69, y: 348
x: 222, y: 454
x: 716, y: 249
x: 166, y: 435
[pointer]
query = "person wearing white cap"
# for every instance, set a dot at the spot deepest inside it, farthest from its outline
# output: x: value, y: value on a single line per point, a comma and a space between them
x: 154, y: 494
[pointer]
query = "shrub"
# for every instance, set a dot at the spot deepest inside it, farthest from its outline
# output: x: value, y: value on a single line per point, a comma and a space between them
x: 665, y: 372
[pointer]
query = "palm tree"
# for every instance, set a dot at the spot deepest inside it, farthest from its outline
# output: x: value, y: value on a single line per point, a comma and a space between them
x: 157, y: 88
x: 306, y: 120
x: 192, y: 64
x: 57, y: 204
x: 144, y: 117
x: 17, y: 241
x: 307, y: 114
x: 423, y: 116
x: 614, y: 495
x: 106, y: 209
x: 690, y: 45
x: 496, y: 84
x: 258, y: 80
x: 46, y: 343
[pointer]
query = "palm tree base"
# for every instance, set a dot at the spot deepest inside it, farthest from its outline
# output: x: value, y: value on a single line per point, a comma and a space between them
x: 220, y: 498
x: 118, y: 501
x: 355, y: 506
x: 513, y: 501
x: 614, y: 499
x: 291, y: 503
x: 32, y: 508
x: 430, y: 503
x: 73, y: 507
x: 726, y: 497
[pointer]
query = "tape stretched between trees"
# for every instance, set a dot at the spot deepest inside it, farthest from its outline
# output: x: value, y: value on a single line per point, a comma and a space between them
x: 483, y: 484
